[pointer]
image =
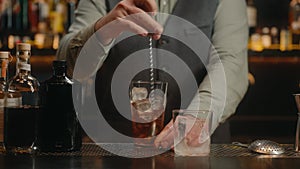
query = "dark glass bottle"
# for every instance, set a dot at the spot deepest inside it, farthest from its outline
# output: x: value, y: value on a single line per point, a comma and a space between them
x: 59, y: 127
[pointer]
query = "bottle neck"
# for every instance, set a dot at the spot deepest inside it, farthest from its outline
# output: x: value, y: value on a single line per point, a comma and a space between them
x: 59, y: 71
x: 23, y: 66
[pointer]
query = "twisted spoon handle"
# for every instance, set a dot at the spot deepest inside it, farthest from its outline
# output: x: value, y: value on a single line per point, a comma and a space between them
x: 240, y: 144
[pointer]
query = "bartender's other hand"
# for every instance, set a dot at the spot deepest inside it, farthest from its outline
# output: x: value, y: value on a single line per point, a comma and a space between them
x: 141, y: 23
x: 165, y: 139
x: 194, y: 135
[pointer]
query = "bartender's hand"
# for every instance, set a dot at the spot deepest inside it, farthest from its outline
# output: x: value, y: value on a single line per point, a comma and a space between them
x: 142, y: 23
x: 165, y: 139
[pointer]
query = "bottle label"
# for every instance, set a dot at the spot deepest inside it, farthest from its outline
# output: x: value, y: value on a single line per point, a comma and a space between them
x: 24, y: 66
x: 4, y: 66
x: 13, y: 102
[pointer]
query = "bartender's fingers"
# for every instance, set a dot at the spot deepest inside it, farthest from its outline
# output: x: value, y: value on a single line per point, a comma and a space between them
x: 165, y: 139
x: 146, y: 21
x: 125, y: 10
x: 106, y: 34
x: 127, y: 25
x: 193, y: 137
x: 146, y: 5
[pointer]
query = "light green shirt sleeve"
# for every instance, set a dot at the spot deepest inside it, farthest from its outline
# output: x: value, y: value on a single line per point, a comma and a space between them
x: 229, y: 39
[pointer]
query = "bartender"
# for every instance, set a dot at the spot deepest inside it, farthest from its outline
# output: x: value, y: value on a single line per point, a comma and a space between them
x: 224, y: 22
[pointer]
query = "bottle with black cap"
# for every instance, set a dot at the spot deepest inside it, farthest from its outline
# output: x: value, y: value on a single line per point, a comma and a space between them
x: 59, y: 129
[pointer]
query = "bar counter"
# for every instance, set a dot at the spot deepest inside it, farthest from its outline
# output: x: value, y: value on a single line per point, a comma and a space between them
x: 92, y: 156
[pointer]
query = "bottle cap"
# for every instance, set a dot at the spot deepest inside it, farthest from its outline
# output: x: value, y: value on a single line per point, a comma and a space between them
x: 59, y: 63
x: 274, y: 31
x: 23, y: 46
x: 265, y: 30
x: 4, y: 55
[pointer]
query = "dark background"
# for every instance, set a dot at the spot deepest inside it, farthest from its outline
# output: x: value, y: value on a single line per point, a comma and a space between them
x: 272, y: 13
x: 268, y: 110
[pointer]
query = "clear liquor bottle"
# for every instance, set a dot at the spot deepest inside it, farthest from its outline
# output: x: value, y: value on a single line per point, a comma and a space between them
x: 21, y: 106
x: 4, y: 60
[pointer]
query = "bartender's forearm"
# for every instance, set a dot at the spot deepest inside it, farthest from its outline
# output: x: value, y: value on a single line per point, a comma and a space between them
x: 74, y: 43
x: 87, y: 13
x: 230, y: 40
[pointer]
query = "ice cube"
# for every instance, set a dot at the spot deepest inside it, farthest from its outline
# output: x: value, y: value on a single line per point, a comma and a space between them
x: 156, y: 98
x: 156, y: 94
x: 157, y: 105
x: 143, y: 110
x: 138, y: 93
x: 142, y: 105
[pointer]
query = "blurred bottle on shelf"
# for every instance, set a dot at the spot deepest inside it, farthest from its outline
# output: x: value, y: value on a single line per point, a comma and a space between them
x: 274, y: 36
x: 43, y: 21
x: 252, y: 16
x: 266, y: 38
x: 33, y: 15
x: 43, y: 16
x: 256, y: 43
x: 294, y: 20
x: 57, y: 17
x: 71, y: 13
x: 4, y: 60
x: 21, y: 106
x: 24, y: 24
x: 41, y: 38
x: 5, y: 22
x: 285, y: 40
x: 6, y: 15
x: 15, y: 16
